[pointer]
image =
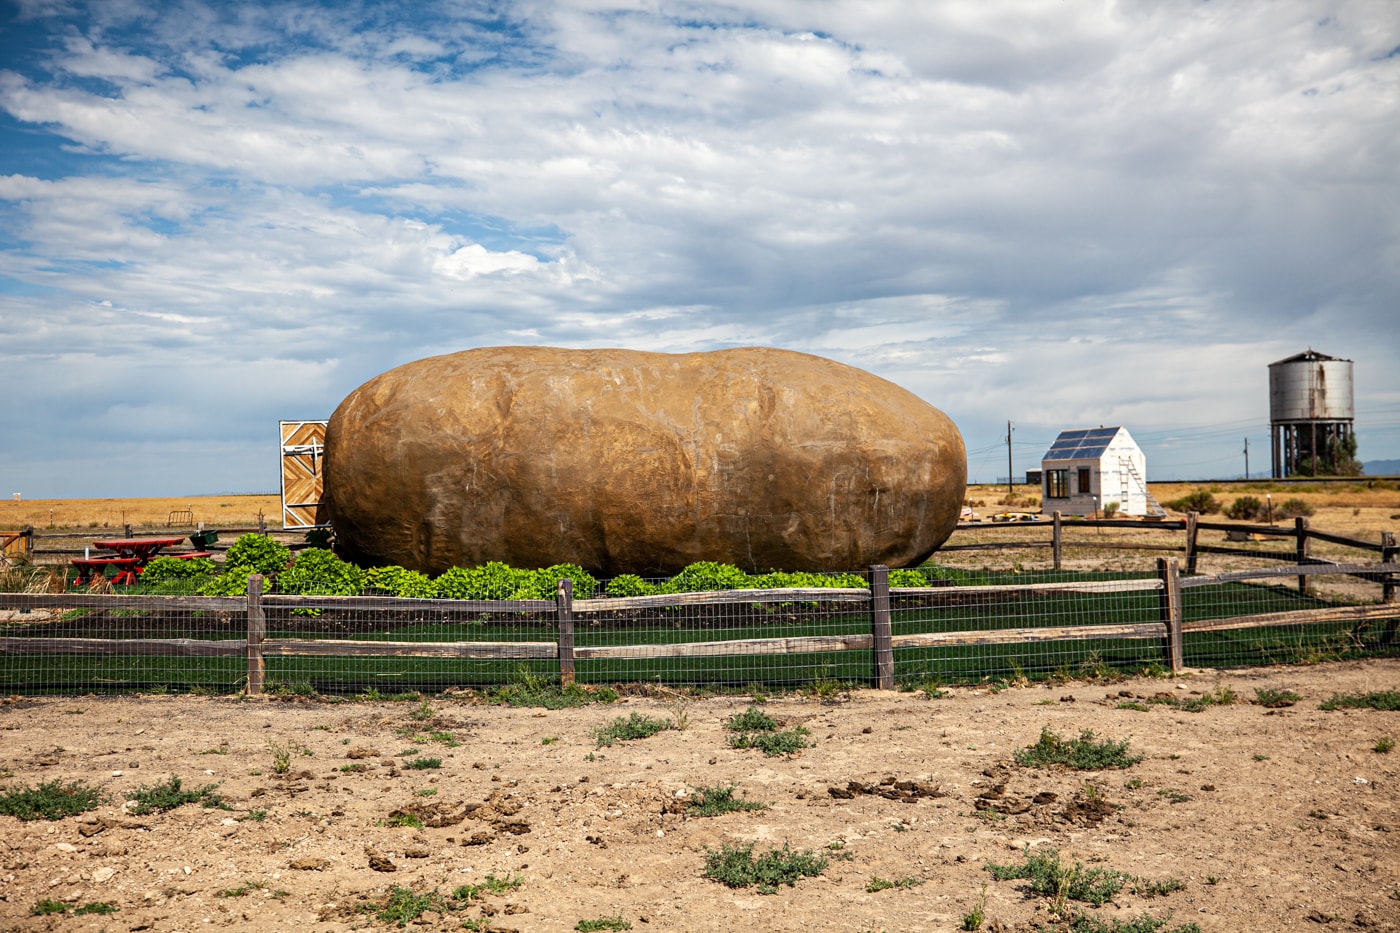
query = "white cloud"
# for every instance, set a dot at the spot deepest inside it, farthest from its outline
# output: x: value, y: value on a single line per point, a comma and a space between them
x: 971, y: 199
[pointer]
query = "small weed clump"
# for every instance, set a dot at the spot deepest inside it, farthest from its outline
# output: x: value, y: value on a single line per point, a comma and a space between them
x: 423, y: 764
x: 530, y: 689
x: 158, y: 798
x: 1270, y: 698
x: 972, y: 920
x: 1385, y: 700
x: 1081, y: 754
x: 717, y: 800
x: 1384, y: 745
x: 878, y: 884
x: 627, y: 728
x: 754, y: 728
x: 403, y: 905
x: 735, y: 866
x: 492, y: 885
x: 1049, y: 877
x: 602, y: 923
x: 50, y: 801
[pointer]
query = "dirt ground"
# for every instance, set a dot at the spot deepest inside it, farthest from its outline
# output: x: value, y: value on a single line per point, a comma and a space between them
x: 1270, y: 818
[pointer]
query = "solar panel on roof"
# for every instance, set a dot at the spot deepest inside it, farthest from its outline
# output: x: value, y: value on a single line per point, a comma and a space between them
x: 1081, y: 444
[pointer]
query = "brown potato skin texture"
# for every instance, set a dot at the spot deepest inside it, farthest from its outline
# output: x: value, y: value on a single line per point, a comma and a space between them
x: 625, y: 461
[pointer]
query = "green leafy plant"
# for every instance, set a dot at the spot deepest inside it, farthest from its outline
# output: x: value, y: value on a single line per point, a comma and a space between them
x: 318, y: 572
x: 157, y: 798
x: 165, y: 570
x: 232, y: 582
x: 628, y: 728
x: 260, y: 552
x: 397, y: 581
x: 626, y: 585
x: 736, y: 866
x: 718, y: 800
x: 53, y: 800
x: 282, y: 753
x: 1082, y: 753
x: 1384, y: 745
x: 754, y: 728
x: 423, y: 764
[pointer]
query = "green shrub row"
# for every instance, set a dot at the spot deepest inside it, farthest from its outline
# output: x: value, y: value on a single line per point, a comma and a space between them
x: 319, y: 572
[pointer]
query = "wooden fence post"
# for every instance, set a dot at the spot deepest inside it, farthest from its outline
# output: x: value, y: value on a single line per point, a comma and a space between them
x: 1056, y: 544
x: 1170, y: 603
x: 257, y: 631
x: 880, y: 627
x: 1191, y: 543
x: 564, y: 598
x: 1300, y: 532
x: 1389, y: 553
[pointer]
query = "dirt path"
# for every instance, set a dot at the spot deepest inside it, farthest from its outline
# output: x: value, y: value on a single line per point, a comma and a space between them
x: 1271, y: 819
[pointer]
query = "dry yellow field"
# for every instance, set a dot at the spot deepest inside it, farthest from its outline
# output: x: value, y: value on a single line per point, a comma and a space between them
x: 144, y: 514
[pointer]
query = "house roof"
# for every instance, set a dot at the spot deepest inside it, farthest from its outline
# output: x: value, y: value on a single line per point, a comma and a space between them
x: 1081, y: 444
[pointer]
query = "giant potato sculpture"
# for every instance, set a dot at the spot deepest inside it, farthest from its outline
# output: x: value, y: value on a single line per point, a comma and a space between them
x: 631, y: 462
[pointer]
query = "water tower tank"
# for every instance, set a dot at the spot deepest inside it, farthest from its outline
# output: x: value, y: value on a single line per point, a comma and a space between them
x: 1311, y: 409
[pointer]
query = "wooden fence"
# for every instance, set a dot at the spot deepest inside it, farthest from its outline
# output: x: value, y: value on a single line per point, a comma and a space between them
x: 1298, y: 533
x: 1169, y: 628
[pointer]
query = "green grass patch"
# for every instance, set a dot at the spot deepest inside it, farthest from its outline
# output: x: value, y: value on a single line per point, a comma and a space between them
x: 158, y: 798
x: 1386, y: 700
x: 53, y: 800
x: 735, y: 866
x: 48, y: 906
x: 422, y: 764
x: 1081, y: 754
x: 718, y: 800
x: 629, y: 728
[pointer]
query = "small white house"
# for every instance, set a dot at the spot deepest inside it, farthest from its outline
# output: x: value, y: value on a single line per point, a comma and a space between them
x: 1090, y: 470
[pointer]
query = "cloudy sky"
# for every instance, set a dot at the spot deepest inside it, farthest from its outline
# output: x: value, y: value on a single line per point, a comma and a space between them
x: 217, y: 215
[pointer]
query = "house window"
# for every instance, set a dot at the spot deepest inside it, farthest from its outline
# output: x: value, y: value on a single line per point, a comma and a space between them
x: 1057, y: 484
x: 1084, y: 488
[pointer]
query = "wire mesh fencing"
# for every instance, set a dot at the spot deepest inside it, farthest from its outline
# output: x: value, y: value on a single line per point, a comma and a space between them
x: 959, y: 626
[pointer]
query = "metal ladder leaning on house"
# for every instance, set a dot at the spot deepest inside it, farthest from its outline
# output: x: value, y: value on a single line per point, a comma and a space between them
x: 1127, y: 469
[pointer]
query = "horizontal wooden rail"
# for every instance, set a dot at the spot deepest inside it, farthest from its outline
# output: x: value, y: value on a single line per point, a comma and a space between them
x: 728, y: 648
x: 720, y: 598
x: 1006, y: 636
x: 1296, y: 617
x: 152, y: 647
x: 1263, y: 573
x: 327, y: 648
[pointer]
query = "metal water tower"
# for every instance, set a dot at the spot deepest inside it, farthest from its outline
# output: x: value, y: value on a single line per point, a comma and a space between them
x: 1310, y: 409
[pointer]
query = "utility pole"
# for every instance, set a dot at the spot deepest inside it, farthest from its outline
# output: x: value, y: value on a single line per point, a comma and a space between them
x: 1010, y: 476
x: 1246, y: 458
